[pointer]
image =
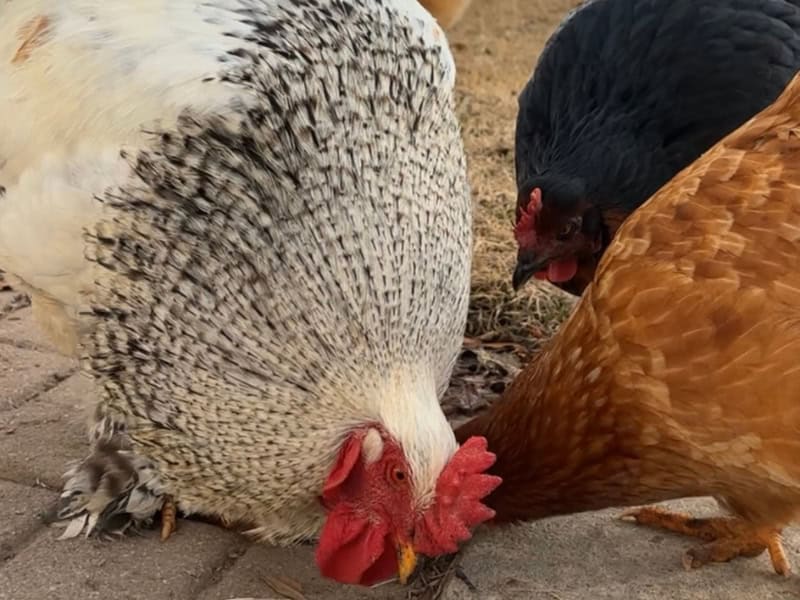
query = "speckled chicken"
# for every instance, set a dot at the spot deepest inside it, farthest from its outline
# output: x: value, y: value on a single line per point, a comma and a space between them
x: 677, y: 374
x: 251, y: 219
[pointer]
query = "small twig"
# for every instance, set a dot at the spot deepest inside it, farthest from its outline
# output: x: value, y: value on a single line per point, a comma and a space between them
x: 286, y: 586
x: 466, y: 580
x: 431, y: 581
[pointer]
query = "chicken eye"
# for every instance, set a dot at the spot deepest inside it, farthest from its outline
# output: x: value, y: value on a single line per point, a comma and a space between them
x: 398, y: 475
x: 571, y: 228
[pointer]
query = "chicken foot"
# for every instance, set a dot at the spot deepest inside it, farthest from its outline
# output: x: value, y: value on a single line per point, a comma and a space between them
x: 727, y: 537
x: 168, y: 518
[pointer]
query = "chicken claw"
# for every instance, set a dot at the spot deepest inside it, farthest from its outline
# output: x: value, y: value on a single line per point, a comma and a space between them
x: 168, y: 518
x: 727, y: 537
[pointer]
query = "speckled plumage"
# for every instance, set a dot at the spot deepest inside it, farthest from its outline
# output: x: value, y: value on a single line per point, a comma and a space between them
x: 261, y: 239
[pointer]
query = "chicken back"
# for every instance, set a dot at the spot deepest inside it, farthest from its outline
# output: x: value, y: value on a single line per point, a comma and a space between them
x: 677, y: 374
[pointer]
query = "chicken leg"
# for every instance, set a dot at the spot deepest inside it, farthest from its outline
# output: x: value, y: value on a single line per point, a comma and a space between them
x: 727, y: 537
x: 168, y: 518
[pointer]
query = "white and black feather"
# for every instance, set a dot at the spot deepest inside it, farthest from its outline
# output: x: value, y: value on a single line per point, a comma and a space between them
x: 264, y: 242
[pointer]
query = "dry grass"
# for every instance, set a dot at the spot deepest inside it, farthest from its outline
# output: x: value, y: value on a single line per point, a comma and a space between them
x: 495, y: 48
x: 431, y: 579
x: 498, y: 314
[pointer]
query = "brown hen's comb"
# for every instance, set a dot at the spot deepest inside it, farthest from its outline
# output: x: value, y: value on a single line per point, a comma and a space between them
x: 458, y: 507
x: 527, y: 217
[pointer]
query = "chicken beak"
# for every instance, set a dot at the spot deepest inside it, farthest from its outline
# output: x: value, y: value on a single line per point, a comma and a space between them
x: 527, y: 267
x: 406, y: 562
x: 521, y: 276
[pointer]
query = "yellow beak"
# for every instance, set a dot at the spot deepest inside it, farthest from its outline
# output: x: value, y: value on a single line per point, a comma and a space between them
x: 406, y: 562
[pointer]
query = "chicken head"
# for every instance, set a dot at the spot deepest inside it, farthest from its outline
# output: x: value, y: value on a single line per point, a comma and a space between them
x: 376, y: 525
x: 558, y: 241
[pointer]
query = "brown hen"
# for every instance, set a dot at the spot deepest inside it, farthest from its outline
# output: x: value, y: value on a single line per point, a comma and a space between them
x: 678, y: 374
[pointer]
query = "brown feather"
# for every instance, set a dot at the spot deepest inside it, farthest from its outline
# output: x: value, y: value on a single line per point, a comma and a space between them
x: 678, y: 374
x: 32, y: 35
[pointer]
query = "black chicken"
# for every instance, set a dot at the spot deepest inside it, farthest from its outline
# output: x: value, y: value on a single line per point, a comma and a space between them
x: 625, y: 94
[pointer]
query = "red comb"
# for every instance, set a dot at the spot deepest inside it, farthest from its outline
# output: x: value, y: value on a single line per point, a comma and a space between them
x: 458, y: 507
x: 527, y: 219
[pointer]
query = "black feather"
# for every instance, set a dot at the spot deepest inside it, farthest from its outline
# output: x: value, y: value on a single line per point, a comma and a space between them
x: 628, y: 92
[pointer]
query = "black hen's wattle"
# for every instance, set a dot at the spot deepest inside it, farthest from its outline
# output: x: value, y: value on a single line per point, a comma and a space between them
x: 628, y: 92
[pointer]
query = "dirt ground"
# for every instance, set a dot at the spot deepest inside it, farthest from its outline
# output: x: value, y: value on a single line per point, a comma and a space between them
x: 496, y: 46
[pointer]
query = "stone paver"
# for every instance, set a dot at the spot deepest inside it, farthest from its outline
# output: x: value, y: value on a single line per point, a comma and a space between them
x: 16, y: 330
x: 594, y: 556
x: 24, y: 373
x: 130, y: 568
x: 249, y: 576
x: 39, y: 438
x: 21, y: 507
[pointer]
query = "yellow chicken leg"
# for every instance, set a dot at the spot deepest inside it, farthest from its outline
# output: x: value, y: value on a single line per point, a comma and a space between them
x: 168, y: 518
x: 727, y: 537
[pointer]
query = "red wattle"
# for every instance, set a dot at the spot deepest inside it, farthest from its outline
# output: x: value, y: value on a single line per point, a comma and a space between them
x: 354, y: 550
x: 562, y: 270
